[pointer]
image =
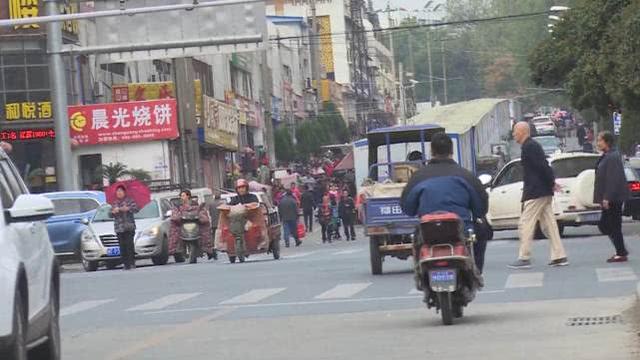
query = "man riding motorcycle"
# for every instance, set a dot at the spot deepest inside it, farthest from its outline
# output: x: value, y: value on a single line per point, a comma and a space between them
x: 443, y: 185
x: 187, y: 205
x: 237, y: 224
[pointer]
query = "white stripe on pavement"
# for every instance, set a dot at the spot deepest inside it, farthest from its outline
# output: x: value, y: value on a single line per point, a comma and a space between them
x: 616, y: 274
x: 524, y: 280
x: 253, y: 296
x: 348, y: 252
x: 343, y: 291
x: 164, y: 302
x: 83, y: 306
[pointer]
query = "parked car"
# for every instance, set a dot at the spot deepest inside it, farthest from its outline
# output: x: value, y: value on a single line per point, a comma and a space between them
x: 100, y: 244
x: 72, y: 211
x: 550, y: 144
x: 573, y: 206
x: 544, y: 125
x: 632, y: 206
x: 29, y: 274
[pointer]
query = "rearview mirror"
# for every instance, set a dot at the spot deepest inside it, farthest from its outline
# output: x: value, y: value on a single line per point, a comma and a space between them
x: 485, y: 179
x: 168, y: 214
x: 29, y: 208
x: 85, y: 221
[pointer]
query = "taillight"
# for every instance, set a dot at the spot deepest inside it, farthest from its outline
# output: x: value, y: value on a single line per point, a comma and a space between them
x: 441, y: 263
x: 634, y: 186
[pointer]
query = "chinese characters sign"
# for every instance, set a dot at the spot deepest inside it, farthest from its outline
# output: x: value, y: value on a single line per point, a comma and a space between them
x: 128, y: 122
x: 153, y: 91
x: 27, y: 134
x: 28, y: 111
x: 24, y: 9
x: 220, y: 124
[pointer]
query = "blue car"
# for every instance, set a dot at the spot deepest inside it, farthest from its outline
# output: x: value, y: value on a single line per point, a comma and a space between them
x: 72, y: 211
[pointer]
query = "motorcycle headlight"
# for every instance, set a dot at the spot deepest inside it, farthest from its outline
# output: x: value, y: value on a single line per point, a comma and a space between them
x: 151, y: 232
x: 88, y: 236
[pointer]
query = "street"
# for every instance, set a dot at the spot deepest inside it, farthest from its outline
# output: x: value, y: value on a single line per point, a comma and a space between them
x: 321, y: 302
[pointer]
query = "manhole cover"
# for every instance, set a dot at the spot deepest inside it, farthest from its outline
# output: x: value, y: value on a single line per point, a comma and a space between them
x: 594, y: 320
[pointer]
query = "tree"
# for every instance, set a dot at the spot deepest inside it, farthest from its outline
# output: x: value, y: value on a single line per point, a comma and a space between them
x: 284, y: 144
x: 113, y: 172
x: 139, y: 174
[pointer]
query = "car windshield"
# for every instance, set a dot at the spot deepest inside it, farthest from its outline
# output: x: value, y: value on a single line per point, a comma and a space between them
x: 631, y: 174
x: 541, y: 121
x: 547, y: 142
x: 151, y: 211
x: 73, y: 206
x: 572, y: 167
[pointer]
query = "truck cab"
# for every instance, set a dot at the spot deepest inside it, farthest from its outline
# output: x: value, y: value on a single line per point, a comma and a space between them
x: 395, y: 153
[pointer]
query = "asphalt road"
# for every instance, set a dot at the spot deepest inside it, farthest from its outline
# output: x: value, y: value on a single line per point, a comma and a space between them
x: 321, y: 302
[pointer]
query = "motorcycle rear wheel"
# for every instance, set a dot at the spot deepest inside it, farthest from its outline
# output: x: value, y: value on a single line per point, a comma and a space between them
x: 458, y: 311
x: 446, y: 308
x: 193, y: 252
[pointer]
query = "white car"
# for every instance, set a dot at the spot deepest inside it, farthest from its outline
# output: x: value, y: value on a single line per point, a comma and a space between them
x: 544, y: 125
x: 99, y: 243
x: 573, y: 206
x: 29, y: 275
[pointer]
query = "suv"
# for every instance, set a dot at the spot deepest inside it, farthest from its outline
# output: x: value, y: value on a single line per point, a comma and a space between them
x: 29, y: 275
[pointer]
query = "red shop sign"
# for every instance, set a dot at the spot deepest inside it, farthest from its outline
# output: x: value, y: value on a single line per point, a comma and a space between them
x: 27, y: 134
x: 126, y: 122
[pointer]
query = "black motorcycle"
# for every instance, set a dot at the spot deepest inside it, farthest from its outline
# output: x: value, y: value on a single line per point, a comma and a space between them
x: 190, y: 234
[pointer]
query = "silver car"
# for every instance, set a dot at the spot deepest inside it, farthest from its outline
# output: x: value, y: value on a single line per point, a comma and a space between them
x: 100, y: 244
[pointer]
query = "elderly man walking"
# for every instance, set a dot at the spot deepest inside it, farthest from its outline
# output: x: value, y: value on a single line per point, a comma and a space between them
x: 537, y: 201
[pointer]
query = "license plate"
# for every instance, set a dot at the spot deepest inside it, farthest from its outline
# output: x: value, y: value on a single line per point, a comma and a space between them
x: 592, y: 217
x: 442, y: 280
x: 113, y: 251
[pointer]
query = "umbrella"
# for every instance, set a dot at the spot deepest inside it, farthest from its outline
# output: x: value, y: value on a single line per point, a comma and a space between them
x: 136, y: 190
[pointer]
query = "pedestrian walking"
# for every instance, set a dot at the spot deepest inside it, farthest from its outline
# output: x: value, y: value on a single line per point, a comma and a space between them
x: 611, y: 191
x: 308, y: 204
x: 324, y: 218
x: 335, y: 220
x: 537, y: 201
x: 347, y: 210
x: 288, y: 209
x: 123, y: 210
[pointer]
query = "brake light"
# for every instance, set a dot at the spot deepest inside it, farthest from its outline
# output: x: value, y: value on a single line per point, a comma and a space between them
x: 634, y: 186
x: 441, y: 263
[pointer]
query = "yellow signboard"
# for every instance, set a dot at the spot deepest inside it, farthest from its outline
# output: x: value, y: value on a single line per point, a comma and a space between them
x: 28, y: 110
x: 326, y: 44
x: 24, y: 9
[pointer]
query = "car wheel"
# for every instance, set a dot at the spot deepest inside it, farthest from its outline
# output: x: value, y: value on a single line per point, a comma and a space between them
x: 50, y: 350
x: 89, y: 265
x: 163, y: 258
x: 17, y: 349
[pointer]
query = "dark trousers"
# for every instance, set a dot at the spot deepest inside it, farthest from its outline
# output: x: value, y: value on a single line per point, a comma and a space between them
x: 611, y: 225
x: 349, y: 230
x: 326, y: 231
x: 479, y: 248
x: 308, y: 220
x: 290, y: 228
x: 127, y: 248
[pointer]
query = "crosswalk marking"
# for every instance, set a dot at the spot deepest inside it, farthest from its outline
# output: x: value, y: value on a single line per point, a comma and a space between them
x: 343, y: 291
x: 164, y: 302
x: 83, y: 306
x: 348, y: 252
x: 616, y: 274
x: 253, y: 296
x: 524, y: 280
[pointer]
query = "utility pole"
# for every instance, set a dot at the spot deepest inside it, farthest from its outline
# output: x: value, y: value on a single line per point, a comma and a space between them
x: 412, y: 64
x: 189, y: 148
x: 444, y: 71
x: 267, y: 87
x: 430, y: 69
x: 403, y: 101
x: 64, y: 170
x: 315, y: 43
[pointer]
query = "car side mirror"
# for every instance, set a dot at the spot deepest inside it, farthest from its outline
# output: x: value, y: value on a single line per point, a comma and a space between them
x: 85, y: 221
x: 168, y: 214
x: 485, y: 179
x: 28, y: 208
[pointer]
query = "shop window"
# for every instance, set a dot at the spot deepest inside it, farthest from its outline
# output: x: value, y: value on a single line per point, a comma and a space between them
x: 15, y: 78
x: 38, y: 77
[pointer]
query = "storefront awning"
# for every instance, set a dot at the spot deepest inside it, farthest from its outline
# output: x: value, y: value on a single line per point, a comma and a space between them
x: 346, y: 163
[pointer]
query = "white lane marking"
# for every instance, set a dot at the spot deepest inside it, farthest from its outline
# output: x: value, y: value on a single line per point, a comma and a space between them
x: 163, y: 302
x: 524, y: 280
x: 616, y: 274
x: 253, y: 296
x: 83, y: 306
x: 343, y: 291
x: 348, y: 252
x: 299, y: 255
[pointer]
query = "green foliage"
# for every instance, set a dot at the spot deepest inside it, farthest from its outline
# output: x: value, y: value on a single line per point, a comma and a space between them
x: 593, y: 54
x: 113, y: 172
x: 139, y: 174
x: 284, y: 144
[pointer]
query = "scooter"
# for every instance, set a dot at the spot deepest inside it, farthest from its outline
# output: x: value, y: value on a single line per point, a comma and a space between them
x: 190, y: 234
x: 446, y: 267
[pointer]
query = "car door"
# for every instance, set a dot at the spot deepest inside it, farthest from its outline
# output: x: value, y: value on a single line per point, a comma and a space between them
x: 505, y: 197
x: 33, y: 244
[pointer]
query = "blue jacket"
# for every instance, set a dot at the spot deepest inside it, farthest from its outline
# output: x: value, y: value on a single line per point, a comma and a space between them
x: 443, y: 185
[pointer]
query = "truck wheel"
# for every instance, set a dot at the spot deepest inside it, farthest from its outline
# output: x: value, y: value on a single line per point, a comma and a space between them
x: 376, y: 257
x: 444, y: 299
x: 275, y: 249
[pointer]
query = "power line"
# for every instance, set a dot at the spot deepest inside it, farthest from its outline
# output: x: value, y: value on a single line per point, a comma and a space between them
x: 421, y: 26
